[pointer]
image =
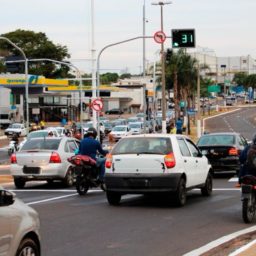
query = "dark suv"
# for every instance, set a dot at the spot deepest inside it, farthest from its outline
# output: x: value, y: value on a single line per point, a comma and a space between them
x: 114, y: 111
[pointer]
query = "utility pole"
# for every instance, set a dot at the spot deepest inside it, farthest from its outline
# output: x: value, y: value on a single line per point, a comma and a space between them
x: 163, y: 69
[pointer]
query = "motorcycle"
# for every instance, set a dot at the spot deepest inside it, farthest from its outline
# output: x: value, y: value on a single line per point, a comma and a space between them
x: 86, y: 172
x: 13, y: 147
x: 248, y: 185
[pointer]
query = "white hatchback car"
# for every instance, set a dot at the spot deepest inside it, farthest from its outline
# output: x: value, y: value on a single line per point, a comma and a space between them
x: 19, y: 227
x: 120, y: 131
x: 156, y: 163
x: 16, y: 128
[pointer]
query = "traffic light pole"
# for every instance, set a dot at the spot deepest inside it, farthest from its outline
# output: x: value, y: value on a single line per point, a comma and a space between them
x: 26, y: 77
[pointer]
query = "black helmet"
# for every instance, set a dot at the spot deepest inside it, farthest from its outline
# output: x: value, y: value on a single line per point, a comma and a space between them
x: 92, y: 132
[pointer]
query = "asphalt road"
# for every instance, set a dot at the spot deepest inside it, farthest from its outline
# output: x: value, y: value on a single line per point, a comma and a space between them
x: 75, y: 225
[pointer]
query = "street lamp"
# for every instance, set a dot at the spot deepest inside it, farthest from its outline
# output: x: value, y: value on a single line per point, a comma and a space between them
x: 161, y: 3
x: 26, y: 76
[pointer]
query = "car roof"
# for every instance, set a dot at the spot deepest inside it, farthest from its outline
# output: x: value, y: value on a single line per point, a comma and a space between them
x: 157, y: 135
x: 221, y: 133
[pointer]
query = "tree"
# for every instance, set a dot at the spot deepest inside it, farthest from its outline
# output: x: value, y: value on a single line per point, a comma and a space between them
x: 250, y: 81
x: 240, y: 78
x: 108, y: 78
x: 36, y: 46
x: 125, y: 75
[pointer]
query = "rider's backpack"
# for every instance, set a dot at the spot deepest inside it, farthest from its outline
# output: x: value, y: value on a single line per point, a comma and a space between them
x: 251, y: 158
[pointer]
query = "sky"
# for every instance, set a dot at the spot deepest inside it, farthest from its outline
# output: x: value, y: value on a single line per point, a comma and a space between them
x: 223, y: 27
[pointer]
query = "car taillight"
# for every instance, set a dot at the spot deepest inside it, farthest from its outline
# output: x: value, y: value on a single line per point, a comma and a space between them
x: 55, y: 158
x: 169, y: 160
x: 13, y: 159
x: 108, y: 162
x: 233, y: 152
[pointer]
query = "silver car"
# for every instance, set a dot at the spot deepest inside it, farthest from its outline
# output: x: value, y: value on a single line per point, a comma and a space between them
x: 19, y: 232
x: 44, y: 159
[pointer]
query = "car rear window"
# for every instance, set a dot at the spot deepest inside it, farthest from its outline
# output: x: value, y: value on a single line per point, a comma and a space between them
x: 216, y: 140
x: 145, y: 145
x: 41, y: 144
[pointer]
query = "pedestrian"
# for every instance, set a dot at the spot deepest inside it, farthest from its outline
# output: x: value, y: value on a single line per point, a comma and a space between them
x: 63, y: 122
x: 42, y: 124
x: 173, y: 129
x: 179, y: 125
x: 36, y: 119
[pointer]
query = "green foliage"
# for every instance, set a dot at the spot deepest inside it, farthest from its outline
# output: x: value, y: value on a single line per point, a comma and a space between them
x: 240, y: 78
x: 125, y: 75
x: 36, y: 46
x: 108, y: 78
x: 250, y: 81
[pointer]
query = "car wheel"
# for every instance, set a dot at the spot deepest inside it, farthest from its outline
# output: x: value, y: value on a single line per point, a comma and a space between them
x: 207, y: 189
x: 28, y: 247
x: 113, y: 198
x: 19, y: 183
x: 69, y: 178
x: 181, y: 193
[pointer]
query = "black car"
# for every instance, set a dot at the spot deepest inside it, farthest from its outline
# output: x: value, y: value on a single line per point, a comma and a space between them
x: 114, y: 111
x: 222, y: 150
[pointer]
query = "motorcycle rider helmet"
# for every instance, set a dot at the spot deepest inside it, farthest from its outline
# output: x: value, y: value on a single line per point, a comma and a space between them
x: 92, y: 132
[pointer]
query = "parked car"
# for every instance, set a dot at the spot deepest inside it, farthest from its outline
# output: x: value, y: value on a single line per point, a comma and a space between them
x: 17, y: 128
x: 44, y: 159
x: 19, y: 232
x: 120, y: 131
x: 156, y: 163
x: 114, y: 111
x: 222, y: 150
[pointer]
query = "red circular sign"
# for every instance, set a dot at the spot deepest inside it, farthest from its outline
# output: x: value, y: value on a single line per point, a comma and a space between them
x: 159, y: 37
x: 97, y: 104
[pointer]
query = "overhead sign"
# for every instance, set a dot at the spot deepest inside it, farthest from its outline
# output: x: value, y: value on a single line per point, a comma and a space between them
x: 183, y: 38
x: 97, y: 105
x: 213, y: 88
x: 159, y: 37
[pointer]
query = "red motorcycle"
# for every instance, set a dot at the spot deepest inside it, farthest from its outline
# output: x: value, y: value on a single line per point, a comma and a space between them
x: 86, y: 172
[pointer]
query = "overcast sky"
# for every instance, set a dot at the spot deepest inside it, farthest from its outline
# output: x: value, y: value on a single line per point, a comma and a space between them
x: 225, y: 26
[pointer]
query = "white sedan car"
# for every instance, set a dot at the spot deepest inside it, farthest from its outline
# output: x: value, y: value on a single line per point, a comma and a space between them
x: 19, y: 227
x: 120, y: 131
x: 44, y: 159
x: 16, y: 128
x: 156, y: 163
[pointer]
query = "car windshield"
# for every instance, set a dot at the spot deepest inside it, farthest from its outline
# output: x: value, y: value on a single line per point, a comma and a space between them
x: 15, y: 126
x: 37, y: 134
x: 119, y: 129
x: 41, y: 144
x: 143, y: 145
x: 134, y: 125
x: 88, y: 125
x: 208, y: 140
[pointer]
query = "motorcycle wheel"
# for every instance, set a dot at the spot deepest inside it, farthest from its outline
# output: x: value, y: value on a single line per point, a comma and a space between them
x: 82, y: 186
x: 249, y: 209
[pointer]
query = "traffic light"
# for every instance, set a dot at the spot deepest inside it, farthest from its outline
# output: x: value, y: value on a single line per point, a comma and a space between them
x: 168, y: 55
x: 183, y: 38
x: 14, y: 67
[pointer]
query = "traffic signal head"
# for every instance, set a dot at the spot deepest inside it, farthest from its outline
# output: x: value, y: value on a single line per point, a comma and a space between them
x: 183, y: 38
x: 14, y: 67
x: 168, y: 55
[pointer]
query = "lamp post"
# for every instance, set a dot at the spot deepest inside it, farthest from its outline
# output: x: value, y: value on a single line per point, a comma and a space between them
x: 26, y: 76
x: 161, y: 3
x: 144, y: 41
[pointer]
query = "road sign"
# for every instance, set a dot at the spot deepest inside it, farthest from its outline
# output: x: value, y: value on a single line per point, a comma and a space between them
x: 159, y: 37
x: 97, y: 105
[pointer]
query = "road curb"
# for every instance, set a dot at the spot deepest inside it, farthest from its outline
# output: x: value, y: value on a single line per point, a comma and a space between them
x: 225, y: 242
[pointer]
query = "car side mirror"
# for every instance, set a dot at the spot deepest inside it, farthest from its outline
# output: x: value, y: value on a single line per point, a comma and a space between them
x: 6, y: 198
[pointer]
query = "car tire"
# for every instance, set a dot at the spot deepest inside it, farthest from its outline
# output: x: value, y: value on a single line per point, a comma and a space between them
x: 19, y: 183
x: 180, y: 196
x: 69, y: 178
x: 28, y: 247
x: 206, y: 190
x: 114, y: 198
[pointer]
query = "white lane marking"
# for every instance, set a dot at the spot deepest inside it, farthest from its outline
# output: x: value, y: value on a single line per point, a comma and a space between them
x: 219, y: 241
x: 57, y: 198
x: 51, y: 199
x: 234, y: 179
x: 242, y: 249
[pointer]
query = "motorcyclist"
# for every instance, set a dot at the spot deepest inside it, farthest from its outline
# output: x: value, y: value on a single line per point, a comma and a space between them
x: 245, y: 168
x: 90, y: 146
x: 15, y: 138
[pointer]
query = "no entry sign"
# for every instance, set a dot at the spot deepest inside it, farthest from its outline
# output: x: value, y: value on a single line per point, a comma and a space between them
x: 159, y: 37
